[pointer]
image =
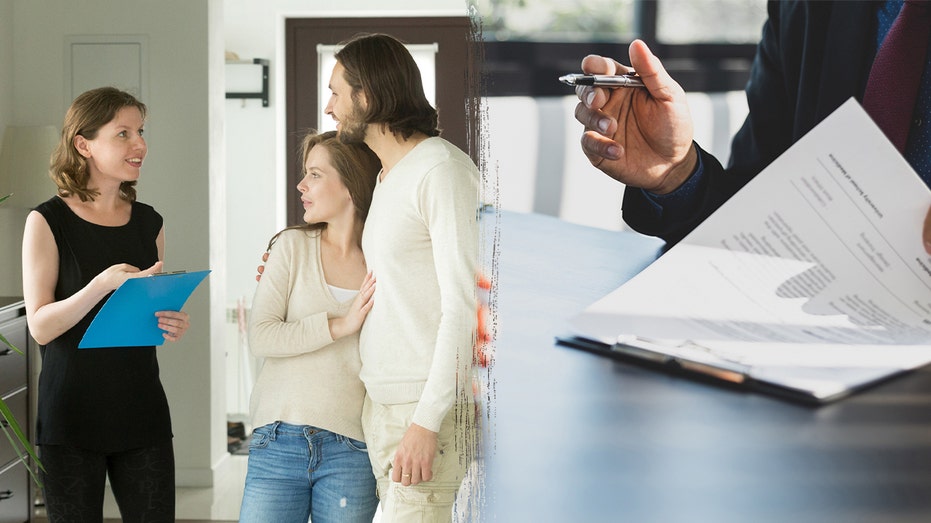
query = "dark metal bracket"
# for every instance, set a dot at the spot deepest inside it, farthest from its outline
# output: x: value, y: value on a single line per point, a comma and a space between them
x: 261, y: 95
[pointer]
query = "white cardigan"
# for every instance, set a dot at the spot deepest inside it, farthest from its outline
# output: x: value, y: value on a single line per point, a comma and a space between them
x: 307, y: 378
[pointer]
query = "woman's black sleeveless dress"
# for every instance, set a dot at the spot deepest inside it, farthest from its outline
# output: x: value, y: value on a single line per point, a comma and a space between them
x: 103, y: 400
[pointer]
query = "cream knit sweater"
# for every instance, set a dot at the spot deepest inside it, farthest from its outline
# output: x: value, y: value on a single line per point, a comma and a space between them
x: 306, y: 378
x: 421, y: 241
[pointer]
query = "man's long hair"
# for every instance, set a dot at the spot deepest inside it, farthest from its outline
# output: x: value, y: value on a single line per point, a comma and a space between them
x: 379, y: 66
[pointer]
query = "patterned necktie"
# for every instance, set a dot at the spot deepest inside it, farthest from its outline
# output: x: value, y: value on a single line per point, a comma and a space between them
x: 892, y: 87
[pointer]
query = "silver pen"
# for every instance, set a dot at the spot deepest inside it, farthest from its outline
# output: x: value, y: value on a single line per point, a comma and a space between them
x: 603, y: 80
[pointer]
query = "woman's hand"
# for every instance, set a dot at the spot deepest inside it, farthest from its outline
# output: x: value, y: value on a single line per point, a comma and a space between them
x: 115, y: 275
x: 359, y: 309
x: 174, y: 323
x: 261, y: 268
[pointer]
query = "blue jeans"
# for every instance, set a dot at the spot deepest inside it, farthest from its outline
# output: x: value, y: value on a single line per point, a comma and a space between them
x: 299, y: 471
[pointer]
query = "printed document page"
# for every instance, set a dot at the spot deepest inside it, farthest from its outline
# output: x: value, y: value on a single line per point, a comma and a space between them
x: 814, y: 273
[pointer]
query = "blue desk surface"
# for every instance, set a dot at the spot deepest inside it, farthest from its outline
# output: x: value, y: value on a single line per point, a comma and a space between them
x: 573, y: 436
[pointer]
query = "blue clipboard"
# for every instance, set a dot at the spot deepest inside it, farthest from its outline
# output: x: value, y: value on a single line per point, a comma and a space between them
x: 127, y: 319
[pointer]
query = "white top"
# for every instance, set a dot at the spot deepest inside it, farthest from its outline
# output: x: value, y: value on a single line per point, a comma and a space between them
x: 421, y: 241
x: 342, y: 294
x: 306, y: 378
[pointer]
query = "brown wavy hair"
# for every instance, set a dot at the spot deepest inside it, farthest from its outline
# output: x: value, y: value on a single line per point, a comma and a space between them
x: 381, y: 67
x: 357, y: 167
x: 89, y: 112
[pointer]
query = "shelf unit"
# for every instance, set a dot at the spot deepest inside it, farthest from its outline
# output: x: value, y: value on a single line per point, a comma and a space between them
x: 15, y: 484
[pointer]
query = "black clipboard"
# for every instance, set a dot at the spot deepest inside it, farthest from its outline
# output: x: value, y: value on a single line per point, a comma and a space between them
x: 723, y: 374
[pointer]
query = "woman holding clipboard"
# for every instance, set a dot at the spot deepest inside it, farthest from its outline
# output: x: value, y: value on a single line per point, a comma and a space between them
x: 102, y: 412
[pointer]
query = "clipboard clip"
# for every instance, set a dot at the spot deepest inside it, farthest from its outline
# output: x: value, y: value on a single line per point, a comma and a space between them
x: 687, y: 355
x: 168, y: 273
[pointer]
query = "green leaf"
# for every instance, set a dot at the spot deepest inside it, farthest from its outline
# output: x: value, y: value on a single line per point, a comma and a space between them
x: 10, y: 345
x: 21, y: 444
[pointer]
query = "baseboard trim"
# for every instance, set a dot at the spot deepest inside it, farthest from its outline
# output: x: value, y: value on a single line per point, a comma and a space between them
x: 202, y: 477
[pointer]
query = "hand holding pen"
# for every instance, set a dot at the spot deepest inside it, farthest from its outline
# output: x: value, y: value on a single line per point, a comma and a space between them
x: 641, y: 137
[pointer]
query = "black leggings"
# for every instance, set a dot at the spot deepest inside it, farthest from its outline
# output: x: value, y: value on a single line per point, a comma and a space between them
x: 142, y: 480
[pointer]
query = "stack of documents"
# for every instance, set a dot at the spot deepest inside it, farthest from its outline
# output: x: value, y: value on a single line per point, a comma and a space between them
x: 811, y: 281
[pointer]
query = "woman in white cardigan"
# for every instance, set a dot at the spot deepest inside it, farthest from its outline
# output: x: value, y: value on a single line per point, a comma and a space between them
x: 306, y: 454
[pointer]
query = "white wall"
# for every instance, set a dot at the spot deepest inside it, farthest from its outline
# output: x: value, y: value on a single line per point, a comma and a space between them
x: 181, y: 130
